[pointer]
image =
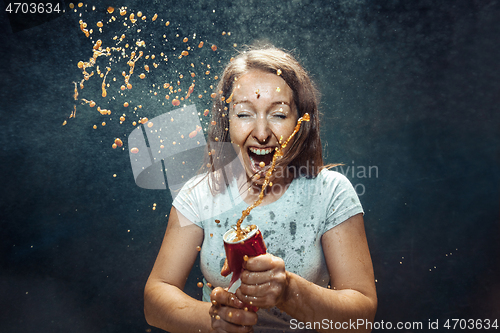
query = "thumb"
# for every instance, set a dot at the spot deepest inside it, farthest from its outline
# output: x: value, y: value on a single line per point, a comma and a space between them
x: 225, y: 269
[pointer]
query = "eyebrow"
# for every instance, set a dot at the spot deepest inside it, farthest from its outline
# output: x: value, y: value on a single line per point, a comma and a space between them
x: 272, y: 104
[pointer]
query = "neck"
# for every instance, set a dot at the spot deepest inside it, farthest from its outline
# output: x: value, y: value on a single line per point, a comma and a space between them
x: 250, y: 190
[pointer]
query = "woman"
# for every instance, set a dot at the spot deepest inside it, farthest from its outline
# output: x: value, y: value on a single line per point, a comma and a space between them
x: 310, y: 217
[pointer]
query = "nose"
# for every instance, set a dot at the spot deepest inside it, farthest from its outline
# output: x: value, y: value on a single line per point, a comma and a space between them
x: 261, y: 131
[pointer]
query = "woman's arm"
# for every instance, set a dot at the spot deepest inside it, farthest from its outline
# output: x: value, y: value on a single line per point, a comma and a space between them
x: 165, y: 304
x: 352, y: 295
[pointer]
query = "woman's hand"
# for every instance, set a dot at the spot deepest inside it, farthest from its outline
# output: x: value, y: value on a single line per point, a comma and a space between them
x: 263, y: 281
x: 228, y: 314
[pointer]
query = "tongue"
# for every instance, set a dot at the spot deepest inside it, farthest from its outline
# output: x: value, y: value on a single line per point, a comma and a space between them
x: 267, y: 159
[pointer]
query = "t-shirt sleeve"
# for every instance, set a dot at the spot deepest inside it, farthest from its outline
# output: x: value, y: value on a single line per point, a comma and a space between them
x: 187, y: 201
x: 343, y: 202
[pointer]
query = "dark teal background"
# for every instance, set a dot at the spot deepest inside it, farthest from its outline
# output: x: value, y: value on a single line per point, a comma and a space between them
x: 411, y: 87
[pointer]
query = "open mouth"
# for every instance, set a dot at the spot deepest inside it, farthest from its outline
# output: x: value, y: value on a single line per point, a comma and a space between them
x: 260, y: 159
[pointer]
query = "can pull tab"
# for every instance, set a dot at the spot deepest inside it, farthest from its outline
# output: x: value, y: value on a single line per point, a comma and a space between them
x: 234, y: 286
x: 234, y: 278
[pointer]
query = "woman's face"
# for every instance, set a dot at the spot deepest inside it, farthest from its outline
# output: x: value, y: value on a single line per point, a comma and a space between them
x: 262, y: 112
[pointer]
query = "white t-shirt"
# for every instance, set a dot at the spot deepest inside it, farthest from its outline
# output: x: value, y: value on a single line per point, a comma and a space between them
x: 292, y: 227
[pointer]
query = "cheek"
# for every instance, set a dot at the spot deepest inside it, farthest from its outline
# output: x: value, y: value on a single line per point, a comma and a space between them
x: 284, y: 132
x: 285, y: 129
x: 236, y: 132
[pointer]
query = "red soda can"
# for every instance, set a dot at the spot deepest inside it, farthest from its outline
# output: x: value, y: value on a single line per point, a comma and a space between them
x: 251, y: 245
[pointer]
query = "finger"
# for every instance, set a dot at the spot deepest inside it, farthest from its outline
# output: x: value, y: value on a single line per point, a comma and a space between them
x: 220, y: 296
x: 255, y: 278
x: 258, y: 290
x: 228, y: 319
x: 220, y: 325
x: 253, y: 301
x: 238, y: 316
x: 263, y: 278
x: 262, y: 295
x: 264, y: 302
x: 262, y: 263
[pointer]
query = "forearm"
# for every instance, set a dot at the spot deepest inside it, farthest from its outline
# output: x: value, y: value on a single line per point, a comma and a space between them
x: 308, y: 302
x: 169, y: 308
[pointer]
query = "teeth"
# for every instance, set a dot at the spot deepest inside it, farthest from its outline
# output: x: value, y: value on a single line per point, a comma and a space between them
x: 261, y: 151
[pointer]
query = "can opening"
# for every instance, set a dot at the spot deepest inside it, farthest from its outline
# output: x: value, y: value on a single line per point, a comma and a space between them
x: 230, y: 237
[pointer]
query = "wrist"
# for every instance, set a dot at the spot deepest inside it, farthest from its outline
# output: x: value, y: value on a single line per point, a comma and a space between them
x: 286, y: 294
